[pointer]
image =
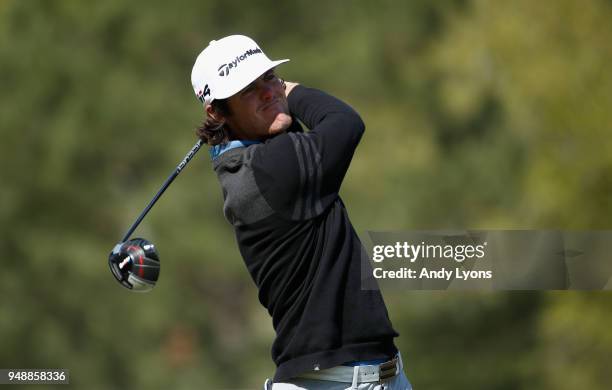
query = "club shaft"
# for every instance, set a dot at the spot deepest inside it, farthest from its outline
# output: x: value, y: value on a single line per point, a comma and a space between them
x: 167, y: 183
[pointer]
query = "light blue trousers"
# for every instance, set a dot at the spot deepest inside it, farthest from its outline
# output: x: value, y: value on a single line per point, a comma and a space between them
x: 399, y: 382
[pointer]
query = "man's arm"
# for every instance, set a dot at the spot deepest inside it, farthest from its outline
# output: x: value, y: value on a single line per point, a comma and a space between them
x: 301, y: 173
x: 336, y: 130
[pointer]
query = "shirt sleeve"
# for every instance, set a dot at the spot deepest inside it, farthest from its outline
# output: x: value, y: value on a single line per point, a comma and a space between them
x: 300, y: 174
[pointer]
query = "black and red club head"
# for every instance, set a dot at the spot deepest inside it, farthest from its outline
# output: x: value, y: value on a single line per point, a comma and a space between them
x: 135, y: 264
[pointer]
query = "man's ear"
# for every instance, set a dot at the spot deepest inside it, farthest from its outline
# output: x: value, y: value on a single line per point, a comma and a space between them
x: 212, y: 113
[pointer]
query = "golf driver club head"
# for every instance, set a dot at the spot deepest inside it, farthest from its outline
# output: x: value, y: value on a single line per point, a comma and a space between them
x: 135, y: 264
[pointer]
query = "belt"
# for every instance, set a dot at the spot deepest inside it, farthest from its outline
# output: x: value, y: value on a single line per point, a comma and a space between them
x: 358, y: 374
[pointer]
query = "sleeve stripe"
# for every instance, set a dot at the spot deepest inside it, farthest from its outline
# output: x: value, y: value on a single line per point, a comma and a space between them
x: 309, y: 173
x: 308, y: 203
x: 319, y: 165
x: 305, y: 190
x: 300, y: 158
x: 316, y: 176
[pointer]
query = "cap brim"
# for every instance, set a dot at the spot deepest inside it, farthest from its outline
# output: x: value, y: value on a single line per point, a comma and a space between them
x: 248, y: 79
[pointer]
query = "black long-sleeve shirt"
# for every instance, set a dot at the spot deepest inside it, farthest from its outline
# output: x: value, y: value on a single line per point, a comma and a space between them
x: 298, y: 244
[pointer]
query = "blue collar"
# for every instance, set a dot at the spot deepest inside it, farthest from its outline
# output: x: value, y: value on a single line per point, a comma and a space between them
x: 217, y: 150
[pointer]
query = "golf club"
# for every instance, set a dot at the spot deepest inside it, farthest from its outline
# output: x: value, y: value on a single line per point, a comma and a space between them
x: 135, y: 263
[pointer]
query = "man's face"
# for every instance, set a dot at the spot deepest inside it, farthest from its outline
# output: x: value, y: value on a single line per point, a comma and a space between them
x: 260, y: 110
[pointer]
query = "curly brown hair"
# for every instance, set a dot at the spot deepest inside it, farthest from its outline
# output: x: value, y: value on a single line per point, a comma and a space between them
x: 212, y: 131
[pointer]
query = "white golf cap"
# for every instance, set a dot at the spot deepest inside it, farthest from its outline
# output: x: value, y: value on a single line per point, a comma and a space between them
x: 228, y: 65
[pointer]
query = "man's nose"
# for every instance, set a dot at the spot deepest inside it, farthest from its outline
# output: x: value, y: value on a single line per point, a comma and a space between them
x: 266, y: 92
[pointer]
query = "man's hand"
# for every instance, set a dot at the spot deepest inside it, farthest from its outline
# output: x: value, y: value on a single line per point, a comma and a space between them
x: 289, y: 87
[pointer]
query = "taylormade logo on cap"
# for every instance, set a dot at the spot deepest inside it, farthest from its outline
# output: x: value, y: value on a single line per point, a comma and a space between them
x: 225, y: 68
x: 236, y: 56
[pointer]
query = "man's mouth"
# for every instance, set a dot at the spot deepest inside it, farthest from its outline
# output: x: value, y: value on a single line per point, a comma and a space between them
x: 268, y: 105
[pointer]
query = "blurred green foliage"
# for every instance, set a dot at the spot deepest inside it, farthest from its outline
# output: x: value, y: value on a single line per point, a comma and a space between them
x: 480, y: 114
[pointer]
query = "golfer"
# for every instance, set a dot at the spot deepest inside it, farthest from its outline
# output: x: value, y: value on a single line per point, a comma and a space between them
x: 280, y: 188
